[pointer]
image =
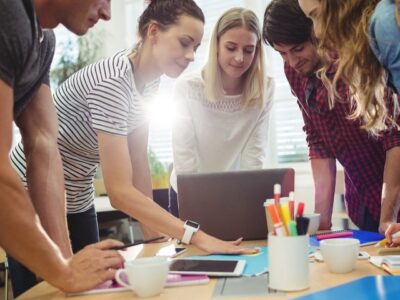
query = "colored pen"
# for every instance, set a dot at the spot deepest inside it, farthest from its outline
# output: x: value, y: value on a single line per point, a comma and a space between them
x: 291, y: 205
x: 138, y: 243
x: 277, y: 193
x: 300, y: 209
x: 383, y: 242
x: 285, y: 213
x: 302, y: 225
x: 278, y: 226
x: 292, y: 228
x: 333, y: 235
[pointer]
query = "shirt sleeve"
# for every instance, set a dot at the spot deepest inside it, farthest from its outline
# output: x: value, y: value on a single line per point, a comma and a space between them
x: 15, y: 39
x: 183, y: 132
x: 109, y: 107
x: 254, y: 152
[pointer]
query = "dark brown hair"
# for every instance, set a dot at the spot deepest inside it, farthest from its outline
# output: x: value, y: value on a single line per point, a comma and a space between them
x: 167, y: 12
x: 285, y: 23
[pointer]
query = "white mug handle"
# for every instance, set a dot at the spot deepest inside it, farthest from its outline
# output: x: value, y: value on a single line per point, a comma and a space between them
x: 119, y: 280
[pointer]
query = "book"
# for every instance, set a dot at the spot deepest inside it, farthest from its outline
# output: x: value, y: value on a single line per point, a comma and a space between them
x: 389, y: 263
x: 366, y: 288
x: 365, y: 237
x: 173, y: 280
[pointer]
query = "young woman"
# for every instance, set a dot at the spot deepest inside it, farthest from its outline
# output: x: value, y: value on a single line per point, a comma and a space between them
x: 223, y: 110
x: 365, y: 37
x: 102, y: 116
x: 348, y: 29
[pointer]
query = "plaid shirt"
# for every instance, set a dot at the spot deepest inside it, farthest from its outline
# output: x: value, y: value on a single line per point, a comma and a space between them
x: 331, y: 135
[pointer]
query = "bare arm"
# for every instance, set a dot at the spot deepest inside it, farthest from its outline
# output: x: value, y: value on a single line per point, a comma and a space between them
x: 39, y: 129
x: 117, y: 173
x: 141, y: 179
x: 22, y: 235
x: 324, y: 174
x: 391, y: 195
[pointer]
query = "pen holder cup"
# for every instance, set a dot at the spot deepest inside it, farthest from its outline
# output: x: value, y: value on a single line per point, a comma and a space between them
x: 288, y: 262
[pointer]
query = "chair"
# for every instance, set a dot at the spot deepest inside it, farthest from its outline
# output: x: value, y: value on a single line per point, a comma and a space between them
x: 4, y: 266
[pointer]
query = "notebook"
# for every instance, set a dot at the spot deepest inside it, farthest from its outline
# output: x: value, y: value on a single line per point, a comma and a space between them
x: 389, y: 263
x: 366, y: 288
x: 365, y: 237
x: 229, y: 205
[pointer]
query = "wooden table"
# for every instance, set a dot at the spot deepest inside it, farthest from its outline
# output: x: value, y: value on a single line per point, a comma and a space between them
x: 320, y: 278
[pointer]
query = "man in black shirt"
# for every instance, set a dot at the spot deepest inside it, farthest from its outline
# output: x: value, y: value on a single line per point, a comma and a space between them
x: 26, y: 51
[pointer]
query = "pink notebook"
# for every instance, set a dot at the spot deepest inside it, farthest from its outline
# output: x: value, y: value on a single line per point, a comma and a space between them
x: 172, y: 280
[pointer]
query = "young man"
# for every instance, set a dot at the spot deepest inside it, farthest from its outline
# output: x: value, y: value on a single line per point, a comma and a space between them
x: 26, y: 51
x: 367, y: 161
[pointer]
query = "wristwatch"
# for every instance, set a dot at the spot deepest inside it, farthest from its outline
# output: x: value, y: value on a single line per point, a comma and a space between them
x: 191, y: 228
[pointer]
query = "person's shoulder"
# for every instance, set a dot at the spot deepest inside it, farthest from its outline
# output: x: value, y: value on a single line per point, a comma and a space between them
x: 190, y: 80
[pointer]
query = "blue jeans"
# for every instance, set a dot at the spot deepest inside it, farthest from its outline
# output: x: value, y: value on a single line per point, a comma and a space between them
x: 83, y: 231
x: 385, y: 40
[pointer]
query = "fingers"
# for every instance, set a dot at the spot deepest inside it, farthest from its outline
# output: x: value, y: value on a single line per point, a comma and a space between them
x: 237, y: 242
x: 392, y: 229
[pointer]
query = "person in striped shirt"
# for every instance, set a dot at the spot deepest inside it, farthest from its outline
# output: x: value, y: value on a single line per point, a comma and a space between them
x: 102, y: 116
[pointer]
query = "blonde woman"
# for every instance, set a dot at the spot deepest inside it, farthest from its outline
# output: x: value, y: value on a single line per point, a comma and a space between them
x: 347, y: 28
x: 223, y: 110
x: 365, y: 37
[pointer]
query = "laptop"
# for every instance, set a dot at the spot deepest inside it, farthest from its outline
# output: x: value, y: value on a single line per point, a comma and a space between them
x: 230, y: 205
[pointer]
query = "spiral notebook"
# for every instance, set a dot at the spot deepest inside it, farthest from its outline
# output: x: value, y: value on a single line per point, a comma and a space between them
x: 365, y: 237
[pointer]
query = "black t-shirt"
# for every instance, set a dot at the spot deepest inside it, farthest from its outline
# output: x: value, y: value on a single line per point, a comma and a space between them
x: 26, y: 51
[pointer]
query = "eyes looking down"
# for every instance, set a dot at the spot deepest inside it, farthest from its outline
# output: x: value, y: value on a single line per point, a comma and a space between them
x: 175, y: 46
x: 236, y: 50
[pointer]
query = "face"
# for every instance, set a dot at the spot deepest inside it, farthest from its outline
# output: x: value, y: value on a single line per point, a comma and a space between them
x: 175, y: 47
x: 312, y: 9
x: 236, y: 50
x: 301, y: 57
x: 80, y: 15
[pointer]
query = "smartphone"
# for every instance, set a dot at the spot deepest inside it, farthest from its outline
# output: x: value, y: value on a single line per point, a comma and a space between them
x: 171, y: 251
x: 207, y: 267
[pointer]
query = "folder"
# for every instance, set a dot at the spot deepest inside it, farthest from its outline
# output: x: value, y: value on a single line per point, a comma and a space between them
x: 365, y: 237
x: 366, y: 288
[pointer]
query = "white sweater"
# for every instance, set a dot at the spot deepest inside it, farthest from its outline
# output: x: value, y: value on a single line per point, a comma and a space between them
x: 215, y: 137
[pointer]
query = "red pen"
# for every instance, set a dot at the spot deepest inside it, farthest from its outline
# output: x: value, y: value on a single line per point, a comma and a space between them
x: 277, y: 193
x: 300, y: 209
x: 333, y: 235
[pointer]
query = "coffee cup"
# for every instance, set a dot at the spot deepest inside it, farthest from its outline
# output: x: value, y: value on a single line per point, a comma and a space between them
x: 314, y: 222
x: 146, y: 276
x: 340, y: 254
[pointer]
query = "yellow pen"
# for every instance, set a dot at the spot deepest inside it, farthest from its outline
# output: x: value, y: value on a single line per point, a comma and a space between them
x: 384, y: 241
x: 285, y: 215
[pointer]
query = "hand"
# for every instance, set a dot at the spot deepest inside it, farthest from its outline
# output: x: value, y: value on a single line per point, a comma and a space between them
x: 392, y: 229
x: 92, y: 266
x: 384, y: 225
x: 213, y: 245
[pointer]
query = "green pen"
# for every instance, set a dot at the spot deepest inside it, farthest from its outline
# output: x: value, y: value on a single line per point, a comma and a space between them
x: 292, y: 228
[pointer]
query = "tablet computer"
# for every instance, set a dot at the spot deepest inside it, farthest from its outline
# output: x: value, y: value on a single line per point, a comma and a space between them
x: 207, y: 267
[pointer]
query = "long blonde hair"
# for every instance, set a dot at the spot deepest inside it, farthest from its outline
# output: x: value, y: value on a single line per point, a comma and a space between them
x: 253, y: 86
x: 344, y: 31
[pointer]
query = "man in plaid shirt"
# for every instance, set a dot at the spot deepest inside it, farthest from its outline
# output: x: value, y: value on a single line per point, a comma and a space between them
x: 368, y: 161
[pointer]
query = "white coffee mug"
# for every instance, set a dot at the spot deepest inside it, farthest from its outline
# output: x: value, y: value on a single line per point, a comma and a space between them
x: 146, y: 275
x: 314, y: 222
x: 340, y: 254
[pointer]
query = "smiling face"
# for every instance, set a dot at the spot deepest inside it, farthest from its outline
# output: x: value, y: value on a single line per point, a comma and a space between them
x: 175, y: 47
x: 236, y: 51
x: 301, y: 57
x: 80, y: 15
x: 312, y: 9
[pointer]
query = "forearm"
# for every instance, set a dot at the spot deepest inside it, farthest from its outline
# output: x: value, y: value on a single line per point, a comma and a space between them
x: 27, y: 241
x: 324, y: 173
x: 46, y: 188
x: 391, y: 193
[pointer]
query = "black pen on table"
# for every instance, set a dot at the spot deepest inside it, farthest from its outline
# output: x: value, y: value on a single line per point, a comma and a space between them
x: 138, y: 243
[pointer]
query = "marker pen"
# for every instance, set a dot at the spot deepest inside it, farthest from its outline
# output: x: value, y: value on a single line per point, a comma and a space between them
x: 291, y: 205
x: 300, y: 209
x: 277, y: 193
x: 278, y: 226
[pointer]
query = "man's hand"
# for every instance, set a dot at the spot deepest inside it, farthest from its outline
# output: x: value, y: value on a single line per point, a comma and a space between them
x: 91, y: 266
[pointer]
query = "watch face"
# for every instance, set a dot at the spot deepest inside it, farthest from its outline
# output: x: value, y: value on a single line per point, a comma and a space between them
x: 192, y: 224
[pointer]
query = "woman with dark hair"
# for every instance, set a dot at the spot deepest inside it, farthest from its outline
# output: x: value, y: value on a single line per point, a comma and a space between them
x: 102, y: 115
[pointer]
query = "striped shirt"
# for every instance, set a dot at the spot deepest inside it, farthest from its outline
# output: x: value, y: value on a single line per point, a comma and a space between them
x: 102, y: 97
